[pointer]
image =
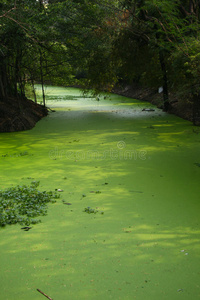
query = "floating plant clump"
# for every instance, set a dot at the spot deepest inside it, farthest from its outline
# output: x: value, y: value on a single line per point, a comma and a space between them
x: 90, y: 210
x: 21, y: 204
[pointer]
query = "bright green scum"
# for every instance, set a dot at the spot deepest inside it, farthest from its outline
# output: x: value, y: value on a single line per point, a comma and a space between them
x: 137, y: 170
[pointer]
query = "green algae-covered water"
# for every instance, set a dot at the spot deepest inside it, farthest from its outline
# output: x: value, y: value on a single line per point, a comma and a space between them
x: 139, y: 169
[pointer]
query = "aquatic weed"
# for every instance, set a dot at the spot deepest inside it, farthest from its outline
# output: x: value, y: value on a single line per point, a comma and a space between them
x: 90, y: 210
x: 21, y: 204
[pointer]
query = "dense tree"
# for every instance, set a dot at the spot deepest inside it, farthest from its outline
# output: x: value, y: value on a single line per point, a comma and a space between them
x: 156, y: 43
x: 50, y: 41
x: 30, y: 49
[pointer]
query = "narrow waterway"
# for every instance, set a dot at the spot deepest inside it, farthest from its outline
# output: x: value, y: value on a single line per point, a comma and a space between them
x: 139, y: 169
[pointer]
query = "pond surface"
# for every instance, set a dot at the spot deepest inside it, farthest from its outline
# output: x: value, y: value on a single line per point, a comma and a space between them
x: 139, y: 169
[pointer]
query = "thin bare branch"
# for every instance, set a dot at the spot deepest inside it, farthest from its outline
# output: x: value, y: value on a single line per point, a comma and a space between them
x: 7, y: 12
x: 44, y: 294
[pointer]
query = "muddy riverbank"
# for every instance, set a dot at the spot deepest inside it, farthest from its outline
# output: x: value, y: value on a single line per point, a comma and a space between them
x: 178, y: 107
x: 18, y: 114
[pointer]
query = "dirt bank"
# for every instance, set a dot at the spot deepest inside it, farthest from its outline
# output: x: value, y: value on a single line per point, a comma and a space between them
x: 20, y: 114
x: 179, y: 107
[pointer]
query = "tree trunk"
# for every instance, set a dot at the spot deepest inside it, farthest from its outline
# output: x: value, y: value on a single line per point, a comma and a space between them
x: 196, y: 110
x: 165, y: 81
x: 191, y: 7
x: 42, y: 78
x: 2, y: 92
x: 3, y: 82
x: 34, y: 94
